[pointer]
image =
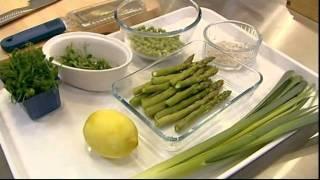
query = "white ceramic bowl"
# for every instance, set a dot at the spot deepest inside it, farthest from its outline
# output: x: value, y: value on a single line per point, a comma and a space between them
x: 117, y: 53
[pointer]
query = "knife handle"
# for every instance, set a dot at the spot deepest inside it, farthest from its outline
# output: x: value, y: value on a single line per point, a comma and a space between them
x: 34, y: 35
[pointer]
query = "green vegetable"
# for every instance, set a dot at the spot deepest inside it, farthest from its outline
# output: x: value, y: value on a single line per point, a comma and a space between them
x: 136, y: 100
x: 213, y: 154
x: 217, y: 85
x: 273, y: 117
x: 138, y: 90
x: 184, y: 74
x: 188, y: 120
x: 82, y: 59
x: 189, y: 59
x: 171, y: 118
x: 167, y: 100
x: 170, y: 70
x: 187, y: 92
x: 196, y: 78
x: 154, y: 46
x: 155, y: 88
x: 152, y: 110
x: 167, y: 78
x: 163, y: 79
x: 276, y: 128
x: 182, y: 104
x: 200, y: 71
x: 28, y: 73
x: 205, y: 61
x: 276, y: 91
x: 158, y: 98
x: 192, y: 70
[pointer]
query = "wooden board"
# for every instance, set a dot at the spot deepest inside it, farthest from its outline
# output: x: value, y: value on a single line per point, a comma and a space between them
x: 307, y: 8
x: 58, y: 9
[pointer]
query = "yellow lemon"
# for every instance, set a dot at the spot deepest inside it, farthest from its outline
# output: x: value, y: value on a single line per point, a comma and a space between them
x: 110, y: 133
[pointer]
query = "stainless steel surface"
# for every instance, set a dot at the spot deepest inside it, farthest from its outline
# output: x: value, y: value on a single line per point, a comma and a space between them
x: 288, y: 32
x: 19, y: 12
x: 294, y: 35
x: 5, y: 172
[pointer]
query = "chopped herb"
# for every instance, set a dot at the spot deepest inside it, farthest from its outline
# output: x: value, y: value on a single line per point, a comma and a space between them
x: 83, y: 59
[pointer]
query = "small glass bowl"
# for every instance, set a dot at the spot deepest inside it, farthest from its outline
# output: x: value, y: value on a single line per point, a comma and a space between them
x: 152, y: 43
x: 237, y: 39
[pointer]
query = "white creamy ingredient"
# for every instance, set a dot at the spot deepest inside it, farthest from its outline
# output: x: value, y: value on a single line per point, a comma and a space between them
x: 232, y: 53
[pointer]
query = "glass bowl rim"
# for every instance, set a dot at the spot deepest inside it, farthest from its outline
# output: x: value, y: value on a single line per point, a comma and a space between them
x: 255, y: 47
x: 149, y: 34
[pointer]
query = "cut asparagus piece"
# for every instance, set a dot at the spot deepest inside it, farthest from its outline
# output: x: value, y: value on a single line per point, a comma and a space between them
x: 158, y: 98
x: 182, y: 104
x: 138, y: 90
x: 152, y: 110
x: 163, y: 79
x: 171, y: 118
x: 192, y: 117
x: 136, y: 100
x: 170, y: 70
x: 187, y: 92
x: 196, y: 78
x: 155, y: 88
x: 184, y: 74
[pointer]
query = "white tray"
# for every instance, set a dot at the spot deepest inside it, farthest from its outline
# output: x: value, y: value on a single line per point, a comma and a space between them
x: 54, y: 147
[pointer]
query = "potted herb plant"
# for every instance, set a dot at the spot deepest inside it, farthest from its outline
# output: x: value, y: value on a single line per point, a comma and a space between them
x: 32, y: 81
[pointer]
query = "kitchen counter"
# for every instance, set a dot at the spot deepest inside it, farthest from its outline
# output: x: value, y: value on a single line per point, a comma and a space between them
x: 286, y: 31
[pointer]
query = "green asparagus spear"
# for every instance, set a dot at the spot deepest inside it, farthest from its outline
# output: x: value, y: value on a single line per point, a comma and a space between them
x: 217, y: 85
x: 182, y: 104
x: 205, y: 61
x: 189, y: 59
x: 136, y: 100
x: 195, y: 79
x: 211, y: 72
x: 158, y: 98
x: 184, y: 74
x: 162, y: 79
x: 170, y: 70
x: 187, y: 92
x: 138, y: 90
x: 200, y: 71
x: 152, y: 110
x: 171, y: 118
x: 155, y: 88
x: 192, y: 117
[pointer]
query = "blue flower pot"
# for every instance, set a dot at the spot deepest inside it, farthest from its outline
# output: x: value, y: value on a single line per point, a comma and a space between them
x: 41, y: 104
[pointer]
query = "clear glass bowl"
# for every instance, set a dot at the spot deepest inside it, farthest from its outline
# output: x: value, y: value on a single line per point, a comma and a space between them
x: 240, y: 82
x: 153, y: 44
x: 237, y: 39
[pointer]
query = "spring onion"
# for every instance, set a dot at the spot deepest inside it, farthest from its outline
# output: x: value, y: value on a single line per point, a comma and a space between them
x: 283, y: 110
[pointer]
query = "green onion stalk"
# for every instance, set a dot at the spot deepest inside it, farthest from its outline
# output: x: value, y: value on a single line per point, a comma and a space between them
x: 283, y: 110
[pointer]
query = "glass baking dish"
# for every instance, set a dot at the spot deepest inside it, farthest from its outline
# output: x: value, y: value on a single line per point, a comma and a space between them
x: 240, y: 82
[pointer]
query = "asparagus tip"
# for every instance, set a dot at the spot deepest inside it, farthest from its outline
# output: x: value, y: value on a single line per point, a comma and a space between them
x: 154, y: 73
